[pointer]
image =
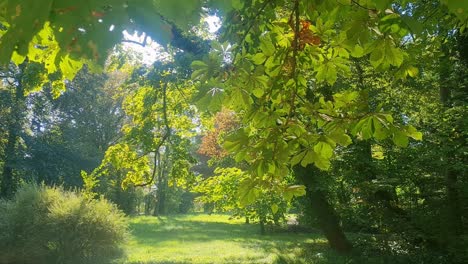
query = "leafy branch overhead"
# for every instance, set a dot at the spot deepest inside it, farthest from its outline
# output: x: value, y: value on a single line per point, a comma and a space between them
x: 60, y: 33
x: 63, y: 35
x: 274, y: 77
x: 269, y: 70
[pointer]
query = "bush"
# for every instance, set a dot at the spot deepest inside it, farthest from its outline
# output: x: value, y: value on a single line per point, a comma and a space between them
x: 49, y: 225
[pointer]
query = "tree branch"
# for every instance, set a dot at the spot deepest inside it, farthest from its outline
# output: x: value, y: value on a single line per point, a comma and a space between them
x: 294, y: 58
x: 252, y: 23
x: 363, y: 7
x: 165, y: 137
x: 142, y: 44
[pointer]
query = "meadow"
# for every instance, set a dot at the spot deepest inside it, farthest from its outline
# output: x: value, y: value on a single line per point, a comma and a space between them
x: 199, y: 238
x: 219, y: 238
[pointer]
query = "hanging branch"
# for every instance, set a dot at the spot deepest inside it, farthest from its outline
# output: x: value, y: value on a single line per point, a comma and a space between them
x: 294, y: 23
x: 253, y: 21
x: 142, y: 44
x: 294, y: 58
x: 363, y: 7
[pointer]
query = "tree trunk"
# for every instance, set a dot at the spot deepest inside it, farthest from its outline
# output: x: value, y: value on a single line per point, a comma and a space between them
x: 454, y: 215
x: 160, y: 208
x: 157, y: 208
x: 276, y: 219
x: 453, y: 209
x: 7, y: 188
x: 262, y: 226
x: 147, y: 204
x: 325, y: 213
x: 162, y: 197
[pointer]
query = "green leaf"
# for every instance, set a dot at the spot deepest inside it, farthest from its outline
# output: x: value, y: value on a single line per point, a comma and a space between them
x: 198, y: 65
x: 364, y: 127
x: 414, y: 25
x: 412, y: 71
x: 380, y: 131
x: 413, y: 133
x: 395, y: 56
x: 143, y: 14
x: 257, y: 92
x: 70, y: 67
x: 377, y: 152
x: 236, y: 141
x: 182, y: 13
x: 259, y: 58
x: 272, y: 66
x: 226, y: 6
x: 17, y: 59
x: 201, y: 69
x: 459, y: 8
x: 357, y: 52
x: 308, y: 158
x: 298, y: 158
x: 327, y: 72
x: 323, y: 149
x: 382, y: 4
x: 322, y: 162
x: 378, y: 155
x: 210, y: 98
x: 266, y: 45
x: 237, y: 4
x: 384, y: 54
x: 261, y: 168
x: 341, y: 138
x: 274, y: 208
x: 400, y: 139
x: 26, y: 18
x: 377, y: 57
x: 294, y: 191
x: 247, y: 193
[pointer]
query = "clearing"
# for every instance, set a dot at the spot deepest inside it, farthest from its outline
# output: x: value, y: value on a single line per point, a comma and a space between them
x: 200, y: 238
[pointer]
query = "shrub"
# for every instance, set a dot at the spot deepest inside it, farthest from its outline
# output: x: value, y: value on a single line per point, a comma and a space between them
x: 49, y: 225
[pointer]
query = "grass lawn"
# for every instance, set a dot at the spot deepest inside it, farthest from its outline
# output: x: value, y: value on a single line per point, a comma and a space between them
x: 206, y: 239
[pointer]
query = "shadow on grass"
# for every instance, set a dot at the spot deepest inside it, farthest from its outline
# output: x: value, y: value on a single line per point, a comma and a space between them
x: 172, y: 228
x: 151, y: 233
x: 182, y: 231
x: 276, y: 248
x: 321, y: 253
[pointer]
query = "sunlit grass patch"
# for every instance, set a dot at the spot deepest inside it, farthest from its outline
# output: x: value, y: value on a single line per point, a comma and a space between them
x: 213, y: 238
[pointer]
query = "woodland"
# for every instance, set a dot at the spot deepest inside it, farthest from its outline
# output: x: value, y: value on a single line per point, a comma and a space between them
x: 233, y: 131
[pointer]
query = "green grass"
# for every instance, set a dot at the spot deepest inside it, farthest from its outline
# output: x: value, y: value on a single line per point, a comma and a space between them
x: 212, y: 239
x: 200, y: 238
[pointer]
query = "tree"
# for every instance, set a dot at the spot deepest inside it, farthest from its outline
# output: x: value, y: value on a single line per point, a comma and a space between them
x: 51, y: 140
x: 154, y: 148
x: 20, y: 79
x: 290, y: 58
x: 71, y: 133
x: 224, y: 122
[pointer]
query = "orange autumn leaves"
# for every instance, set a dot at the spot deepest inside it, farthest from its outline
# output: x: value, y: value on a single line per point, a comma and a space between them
x: 224, y: 122
x: 306, y: 36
